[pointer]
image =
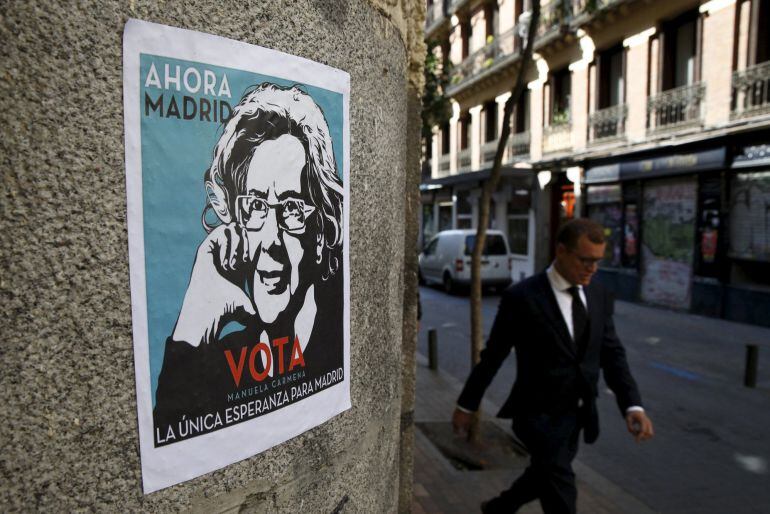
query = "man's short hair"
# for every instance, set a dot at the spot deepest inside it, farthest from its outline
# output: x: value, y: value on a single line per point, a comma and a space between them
x: 570, y: 232
x: 267, y: 112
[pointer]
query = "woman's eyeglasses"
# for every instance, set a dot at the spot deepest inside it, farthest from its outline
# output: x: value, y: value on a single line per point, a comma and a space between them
x: 291, y: 213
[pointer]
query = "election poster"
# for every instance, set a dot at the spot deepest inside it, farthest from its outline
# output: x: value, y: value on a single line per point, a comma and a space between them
x: 237, y: 180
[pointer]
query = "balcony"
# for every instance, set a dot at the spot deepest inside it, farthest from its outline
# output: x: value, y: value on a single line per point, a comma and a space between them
x: 498, y: 48
x: 607, y: 125
x: 433, y: 14
x: 676, y: 109
x: 552, y: 16
x: 751, y: 92
x: 488, y: 151
x: 464, y: 160
x: 443, y: 165
x: 557, y: 137
x: 517, y: 148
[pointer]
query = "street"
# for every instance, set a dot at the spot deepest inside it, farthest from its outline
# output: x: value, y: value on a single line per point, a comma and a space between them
x: 711, y: 451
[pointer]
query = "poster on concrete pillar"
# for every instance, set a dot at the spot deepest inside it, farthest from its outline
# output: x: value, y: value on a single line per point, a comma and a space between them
x: 237, y: 166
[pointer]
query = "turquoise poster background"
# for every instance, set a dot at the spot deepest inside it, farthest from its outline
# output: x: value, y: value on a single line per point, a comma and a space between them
x: 175, y: 154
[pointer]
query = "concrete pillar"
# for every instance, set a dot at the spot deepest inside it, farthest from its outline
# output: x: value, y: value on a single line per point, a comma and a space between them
x: 70, y: 434
x: 435, y: 152
x: 506, y: 15
x: 453, y: 137
x: 637, y: 57
x: 718, y: 44
x: 500, y: 100
x: 579, y: 112
x: 655, y: 70
x: 478, y: 32
x: 456, y: 42
x: 580, y: 94
x: 475, y: 137
x: 536, y: 121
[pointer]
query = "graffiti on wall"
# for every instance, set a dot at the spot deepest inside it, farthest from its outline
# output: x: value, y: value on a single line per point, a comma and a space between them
x: 668, y: 237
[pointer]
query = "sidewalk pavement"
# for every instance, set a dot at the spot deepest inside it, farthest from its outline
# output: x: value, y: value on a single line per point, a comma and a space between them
x: 440, y: 488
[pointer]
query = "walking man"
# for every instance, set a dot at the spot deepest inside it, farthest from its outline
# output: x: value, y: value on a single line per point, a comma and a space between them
x: 561, y: 327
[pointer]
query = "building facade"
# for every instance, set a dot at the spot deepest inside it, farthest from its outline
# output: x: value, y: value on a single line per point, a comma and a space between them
x: 652, y: 117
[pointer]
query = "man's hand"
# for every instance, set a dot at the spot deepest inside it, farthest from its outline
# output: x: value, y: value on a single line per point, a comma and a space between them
x: 461, y: 422
x: 639, y: 425
x: 214, y: 296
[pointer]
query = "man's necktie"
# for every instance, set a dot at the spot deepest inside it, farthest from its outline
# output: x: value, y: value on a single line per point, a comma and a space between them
x: 579, y: 315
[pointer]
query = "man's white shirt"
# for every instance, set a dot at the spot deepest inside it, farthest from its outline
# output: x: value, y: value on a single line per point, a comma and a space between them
x: 560, y: 287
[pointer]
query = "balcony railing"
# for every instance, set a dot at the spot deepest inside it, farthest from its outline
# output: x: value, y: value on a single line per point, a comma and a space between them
x: 557, y: 138
x: 464, y: 160
x: 488, y: 151
x: 607, y: 124
x: 751, y: 91
x: 589, y: 6
x: 518, y: 146
x: 676, y: 109
x: 499, y: 47
x: 434, y: 14
x: 552, y: 16
x: 444, y: 163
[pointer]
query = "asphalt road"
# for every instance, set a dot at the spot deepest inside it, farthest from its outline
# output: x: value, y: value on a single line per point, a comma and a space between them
x: 711, y: 451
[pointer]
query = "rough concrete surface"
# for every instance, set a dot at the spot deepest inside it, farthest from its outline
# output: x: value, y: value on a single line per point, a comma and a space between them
x: 69, y: 439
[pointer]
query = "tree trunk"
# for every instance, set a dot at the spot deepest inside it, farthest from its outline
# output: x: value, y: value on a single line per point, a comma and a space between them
x: 489, y: 187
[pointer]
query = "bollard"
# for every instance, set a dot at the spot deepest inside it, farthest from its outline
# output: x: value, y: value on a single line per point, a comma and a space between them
x: 752, y: 362
x: 432, y: 349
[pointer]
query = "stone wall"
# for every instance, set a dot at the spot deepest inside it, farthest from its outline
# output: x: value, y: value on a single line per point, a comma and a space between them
x: 69, y: 436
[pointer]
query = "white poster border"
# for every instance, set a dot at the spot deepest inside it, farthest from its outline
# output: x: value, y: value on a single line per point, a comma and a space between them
x: 169, y: 465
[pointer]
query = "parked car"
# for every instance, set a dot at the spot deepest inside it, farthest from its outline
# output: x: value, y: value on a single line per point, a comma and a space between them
x: 446, y: 260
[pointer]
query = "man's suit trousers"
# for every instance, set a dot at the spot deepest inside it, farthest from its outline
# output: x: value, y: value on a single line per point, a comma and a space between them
x: 552, y: 442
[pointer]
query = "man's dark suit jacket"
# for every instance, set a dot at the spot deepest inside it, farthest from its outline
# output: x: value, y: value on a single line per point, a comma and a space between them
x: 552, y: 373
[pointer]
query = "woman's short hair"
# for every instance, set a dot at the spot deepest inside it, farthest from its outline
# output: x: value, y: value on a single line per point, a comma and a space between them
x: 267, y: 112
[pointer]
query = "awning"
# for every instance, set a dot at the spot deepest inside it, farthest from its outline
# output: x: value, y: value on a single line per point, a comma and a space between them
x: 658, y: 166
x: 521, y: 178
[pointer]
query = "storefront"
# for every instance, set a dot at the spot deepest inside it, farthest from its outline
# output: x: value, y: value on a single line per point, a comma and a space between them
x: 649, y: 207
x: 688, y: 230
x: 453, y: 203
x: 747, y: 294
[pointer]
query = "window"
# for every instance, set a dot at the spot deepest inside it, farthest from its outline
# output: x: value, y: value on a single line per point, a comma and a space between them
x: 445, y: 216
x: 445, y: 139
x: 631, y: 194
x: 465, y: 130
x: 464, y: 210
x: 604, y: 207
x: 707, y: 256
x: 560, y: 97
x: 611, y: 82
x: 521, y: 114
x: 490, y: 121
x: 750, y: 216
x: 431, y: 248
x: 465, y: 33
x: 495, y: 245
x: 680, y: 52
x: 518, y: 221
x: 759, y: 35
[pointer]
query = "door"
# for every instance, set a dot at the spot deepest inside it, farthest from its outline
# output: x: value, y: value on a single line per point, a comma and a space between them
x: 668, y: 240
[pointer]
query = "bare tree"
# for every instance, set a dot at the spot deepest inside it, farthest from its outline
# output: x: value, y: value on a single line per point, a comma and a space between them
x: 489, y: 187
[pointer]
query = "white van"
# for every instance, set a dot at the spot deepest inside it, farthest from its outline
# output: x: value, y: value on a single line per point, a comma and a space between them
x: 446, y: 260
